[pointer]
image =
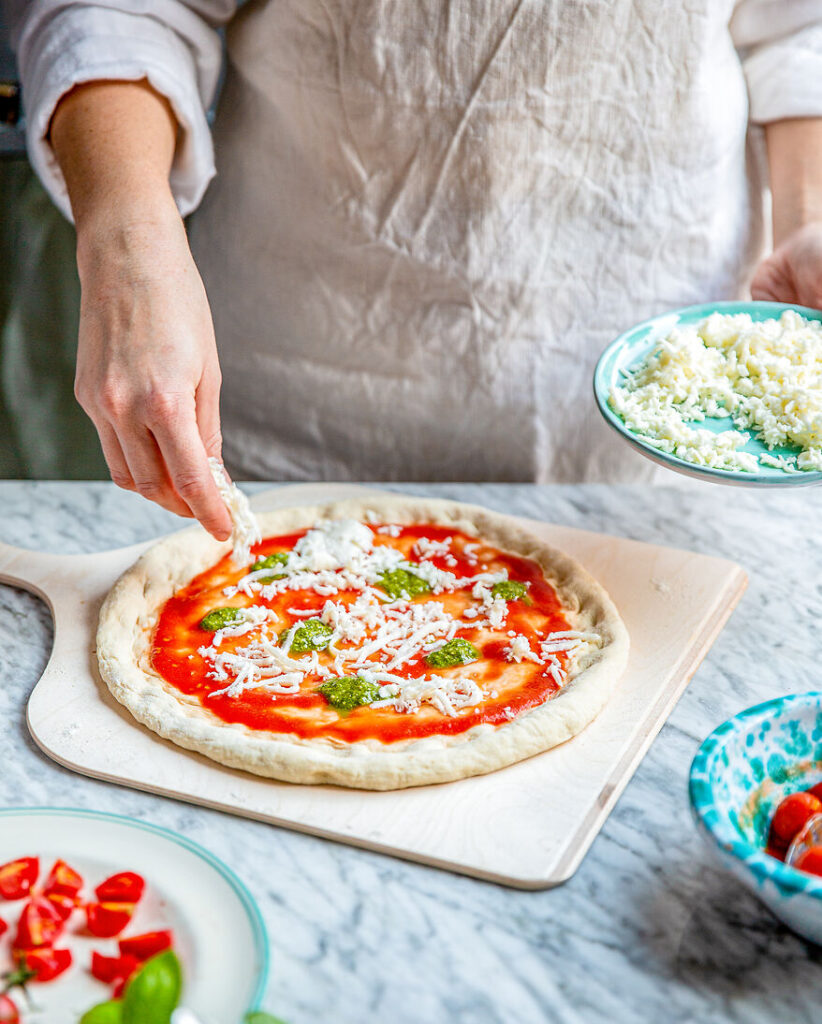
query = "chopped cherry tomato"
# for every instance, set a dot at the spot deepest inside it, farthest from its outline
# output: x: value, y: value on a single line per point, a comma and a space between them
x: 119, y: 987
x: 3, y: 928
x: 108, y: 919
x: 126, y: 887
x: 146, y: 946
x: 17, y: 877
x: 64, y: 905
x: 63, y: 881
x: 39, y: 924
x: 9, y: 1013
x: 792, y: 813
x: 112, y: 968
x: 47, y: 963
x: 810, y: 860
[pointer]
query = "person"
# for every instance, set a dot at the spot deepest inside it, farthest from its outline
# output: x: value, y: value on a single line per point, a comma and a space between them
x: 429, y: 219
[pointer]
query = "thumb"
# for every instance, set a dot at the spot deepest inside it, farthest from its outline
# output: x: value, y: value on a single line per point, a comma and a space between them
x: 773, y: 281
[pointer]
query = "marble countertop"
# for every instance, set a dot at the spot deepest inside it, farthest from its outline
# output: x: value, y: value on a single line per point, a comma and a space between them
x: 647, y: 930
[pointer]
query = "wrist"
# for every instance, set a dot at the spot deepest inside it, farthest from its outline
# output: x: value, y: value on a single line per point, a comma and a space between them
x: 121, y: 228
x: 795, y: 166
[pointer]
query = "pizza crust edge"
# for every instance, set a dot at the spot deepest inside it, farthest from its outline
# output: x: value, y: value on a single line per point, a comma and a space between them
x: 130, y: 611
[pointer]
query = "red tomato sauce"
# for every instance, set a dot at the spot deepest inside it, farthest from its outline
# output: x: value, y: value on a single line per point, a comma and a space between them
x: 178, y: 636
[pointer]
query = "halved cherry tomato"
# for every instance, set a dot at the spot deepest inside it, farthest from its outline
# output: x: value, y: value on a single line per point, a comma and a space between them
x: 47, y: 963
x: 126, y: 887
x: 17, y: 877
x: 64, y: 905
x: 792, y: 813
x: 119, y: 987
x: 9, y: 1013
x: 810, y: 860
x: 62, y: 880
x: 108, y: 919
x: 112, y: 968
x: 146, y: 946
x: 39, y: 924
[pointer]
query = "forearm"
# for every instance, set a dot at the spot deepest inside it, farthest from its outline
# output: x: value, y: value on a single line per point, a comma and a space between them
x: 147, y: 369
x: 115, y: 144
x: 795, y: 165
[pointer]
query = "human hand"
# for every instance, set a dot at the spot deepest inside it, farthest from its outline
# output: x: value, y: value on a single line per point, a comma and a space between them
x: 793, y: 271
x: 147, y: 368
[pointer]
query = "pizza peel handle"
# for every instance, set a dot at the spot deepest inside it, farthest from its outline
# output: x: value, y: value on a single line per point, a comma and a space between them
x: 73, y: 588
x: 61, y: 579
x: 20, y: 567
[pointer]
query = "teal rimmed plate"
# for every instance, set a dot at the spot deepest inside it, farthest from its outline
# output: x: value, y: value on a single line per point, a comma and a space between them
x: 628, y: 351
x: 219, y: 934
x: 739, y: 775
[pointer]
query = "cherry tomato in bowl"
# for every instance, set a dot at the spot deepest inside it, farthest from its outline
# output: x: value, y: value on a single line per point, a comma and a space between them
x: 792, y: 815
x: 810, y: 860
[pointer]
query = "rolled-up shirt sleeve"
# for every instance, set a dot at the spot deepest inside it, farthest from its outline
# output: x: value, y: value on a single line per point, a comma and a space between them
x: 780, y: 45
x: 174, y: 46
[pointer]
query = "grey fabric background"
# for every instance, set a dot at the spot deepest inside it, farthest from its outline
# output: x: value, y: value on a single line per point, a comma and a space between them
x: 43, y: 431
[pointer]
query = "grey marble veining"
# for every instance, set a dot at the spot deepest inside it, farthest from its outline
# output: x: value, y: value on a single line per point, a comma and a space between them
x: 648, y: 930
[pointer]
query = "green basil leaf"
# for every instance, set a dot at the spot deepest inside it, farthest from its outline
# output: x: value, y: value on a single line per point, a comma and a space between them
x: 104, y: 1013
x: 259, y: 1017
x: 154, y: 991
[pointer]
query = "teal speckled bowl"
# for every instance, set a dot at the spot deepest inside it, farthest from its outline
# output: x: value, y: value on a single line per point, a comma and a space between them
x: 739, y: 775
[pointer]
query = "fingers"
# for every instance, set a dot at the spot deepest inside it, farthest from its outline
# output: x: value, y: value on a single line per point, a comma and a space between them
x: 172, y: 421
x: 207, y: 402
x: 116, y: 461
x: 773, y: 282
x: 147, y: 468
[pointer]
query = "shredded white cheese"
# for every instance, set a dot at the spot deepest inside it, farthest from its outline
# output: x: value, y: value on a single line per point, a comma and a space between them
x: 520, y: 650
x: 372, y: 635
x: 765, y: 375
x: 245, y: 530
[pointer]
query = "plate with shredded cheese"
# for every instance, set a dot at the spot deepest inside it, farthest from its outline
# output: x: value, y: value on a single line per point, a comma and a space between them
x: 728, y: 391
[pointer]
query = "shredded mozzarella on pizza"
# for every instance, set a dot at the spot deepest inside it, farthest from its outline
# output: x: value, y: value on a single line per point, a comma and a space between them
x: 520, y: 650
x: 374, y: 636
x: 245, y: 530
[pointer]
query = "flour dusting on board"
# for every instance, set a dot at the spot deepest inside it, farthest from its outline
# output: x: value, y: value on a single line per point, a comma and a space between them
x: 245, y: 530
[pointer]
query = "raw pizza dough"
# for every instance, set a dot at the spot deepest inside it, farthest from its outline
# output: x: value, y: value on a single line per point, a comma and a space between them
x: 130, y: 612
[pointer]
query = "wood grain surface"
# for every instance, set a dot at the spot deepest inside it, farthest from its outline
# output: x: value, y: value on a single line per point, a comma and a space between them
x: 527, y: 826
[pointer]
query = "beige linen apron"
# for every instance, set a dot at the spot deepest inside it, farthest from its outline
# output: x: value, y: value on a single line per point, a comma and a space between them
x: 430, y: 218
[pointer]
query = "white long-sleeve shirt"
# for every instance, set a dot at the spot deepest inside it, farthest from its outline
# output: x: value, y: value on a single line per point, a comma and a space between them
x: 430, y: 217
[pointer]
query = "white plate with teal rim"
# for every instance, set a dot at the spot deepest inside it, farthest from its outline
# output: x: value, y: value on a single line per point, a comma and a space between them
x: 218, y: 932
x: 738, y: 777
x: 630, y: 349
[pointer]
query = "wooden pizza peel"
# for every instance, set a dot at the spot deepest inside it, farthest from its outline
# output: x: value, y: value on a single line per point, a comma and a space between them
x: 527, y: 826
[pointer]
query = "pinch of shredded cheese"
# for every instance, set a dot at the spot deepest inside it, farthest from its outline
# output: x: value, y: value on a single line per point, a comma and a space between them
x: 245, y: 529
x: 765, y: 375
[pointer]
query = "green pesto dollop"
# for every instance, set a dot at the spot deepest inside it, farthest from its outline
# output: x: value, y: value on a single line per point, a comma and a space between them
x: 270, y: 562
x: 399, y: 583
x: 349, y: 692
x: 311, y: 635
x: 455, y: 652
x: 509, y: 590
x: 219, y: 618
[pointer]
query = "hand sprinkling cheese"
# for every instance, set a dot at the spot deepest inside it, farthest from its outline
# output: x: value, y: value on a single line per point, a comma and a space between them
x: 244, y: 528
